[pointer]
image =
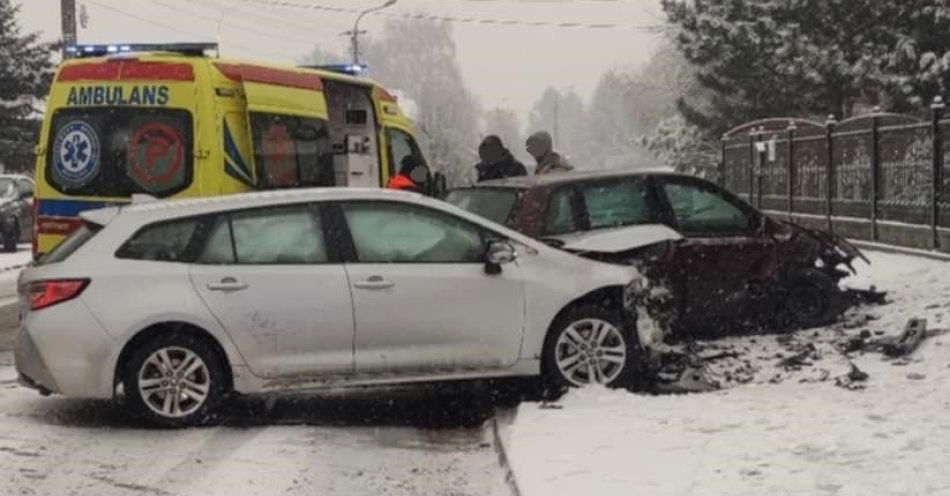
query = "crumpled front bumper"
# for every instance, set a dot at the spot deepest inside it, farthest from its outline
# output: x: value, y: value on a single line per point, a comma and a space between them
x: 651, y: 305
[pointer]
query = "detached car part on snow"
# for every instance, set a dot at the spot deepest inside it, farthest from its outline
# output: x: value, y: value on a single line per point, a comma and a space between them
x: 711, y: 260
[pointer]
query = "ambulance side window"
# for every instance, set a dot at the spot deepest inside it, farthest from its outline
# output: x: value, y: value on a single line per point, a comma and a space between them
x: 291, y: 151
x: 399, y: 146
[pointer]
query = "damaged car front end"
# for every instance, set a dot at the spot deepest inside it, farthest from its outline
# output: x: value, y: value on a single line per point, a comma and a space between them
x: 792, y: 283
x: 713, y: 263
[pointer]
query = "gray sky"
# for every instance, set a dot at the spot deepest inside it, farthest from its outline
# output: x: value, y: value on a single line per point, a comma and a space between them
x: 506, y: 66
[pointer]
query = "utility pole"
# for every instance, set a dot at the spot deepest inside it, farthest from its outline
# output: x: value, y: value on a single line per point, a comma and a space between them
x: 355, y: 33
x: 67, y: 13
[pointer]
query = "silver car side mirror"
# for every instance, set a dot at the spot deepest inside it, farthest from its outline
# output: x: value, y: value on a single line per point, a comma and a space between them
x: 499, y: 252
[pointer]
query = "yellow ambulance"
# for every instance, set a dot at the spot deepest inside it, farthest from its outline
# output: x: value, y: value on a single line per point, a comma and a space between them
x: 172, y: 121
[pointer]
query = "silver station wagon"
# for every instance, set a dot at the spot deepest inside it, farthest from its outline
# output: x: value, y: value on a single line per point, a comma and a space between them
x: 178, y: 304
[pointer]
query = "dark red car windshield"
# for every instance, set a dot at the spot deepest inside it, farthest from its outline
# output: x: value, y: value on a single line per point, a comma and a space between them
x: 494, y: 204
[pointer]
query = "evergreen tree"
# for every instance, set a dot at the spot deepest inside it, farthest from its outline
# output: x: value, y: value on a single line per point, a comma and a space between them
x: 766, y: 58
x: 25, y: 73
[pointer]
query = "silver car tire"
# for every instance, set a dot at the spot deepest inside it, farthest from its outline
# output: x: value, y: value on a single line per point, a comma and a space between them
x: 589, y: 345
x: 175, y: 380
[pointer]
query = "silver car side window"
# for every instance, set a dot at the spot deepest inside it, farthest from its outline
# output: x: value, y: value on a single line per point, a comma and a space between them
x: 395, y: 233
x: 162, y: 242
x: 219, y: 248
x: 285, y: 236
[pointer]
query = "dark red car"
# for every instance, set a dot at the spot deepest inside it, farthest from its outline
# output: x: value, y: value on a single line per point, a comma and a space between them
x: 720, y: 258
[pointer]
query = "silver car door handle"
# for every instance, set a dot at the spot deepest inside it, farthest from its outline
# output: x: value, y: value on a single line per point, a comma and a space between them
x: 374, y: 282
x: 227, y: 284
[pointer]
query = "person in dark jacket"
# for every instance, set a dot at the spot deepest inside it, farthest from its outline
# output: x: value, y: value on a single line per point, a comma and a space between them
x: 496, y: 161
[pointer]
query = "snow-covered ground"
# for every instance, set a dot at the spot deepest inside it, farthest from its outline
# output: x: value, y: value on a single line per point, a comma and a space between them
x: 405, y: 441
x: 20, y: 258
x: 402, y: 442
x: 395, y: 444
x: 778, y: 426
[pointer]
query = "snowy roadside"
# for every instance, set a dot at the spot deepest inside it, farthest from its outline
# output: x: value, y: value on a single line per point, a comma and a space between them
x: 17, y: 260
x: 780, y: 426
x: 10, y: 266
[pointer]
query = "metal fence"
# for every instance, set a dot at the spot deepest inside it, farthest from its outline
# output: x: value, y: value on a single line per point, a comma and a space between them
x: 878, y: 177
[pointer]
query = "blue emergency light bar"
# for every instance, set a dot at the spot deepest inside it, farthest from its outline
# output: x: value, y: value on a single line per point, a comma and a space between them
x: 97, y: 50
x: 349, y: 69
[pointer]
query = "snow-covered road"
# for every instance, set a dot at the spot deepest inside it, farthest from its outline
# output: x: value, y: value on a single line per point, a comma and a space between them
x: 785, y: 431
x: 406, y: 441
x: 774, y: 430
x: 400, y: 443
x: 10, y: 263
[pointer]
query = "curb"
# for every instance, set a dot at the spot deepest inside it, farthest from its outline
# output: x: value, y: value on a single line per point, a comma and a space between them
x: 901, y: 250
x: 502, y: 452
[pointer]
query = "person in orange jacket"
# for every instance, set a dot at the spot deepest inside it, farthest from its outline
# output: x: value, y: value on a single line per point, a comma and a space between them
x: 403, y: 180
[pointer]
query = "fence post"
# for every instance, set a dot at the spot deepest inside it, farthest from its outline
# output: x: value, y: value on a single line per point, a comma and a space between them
x: 875, y: 169
x: 790, y: 190
x: 936, y: 177
x: 721, y: 166
x: 830, y: 124
x: 759, y: 168
x: 751, y: 168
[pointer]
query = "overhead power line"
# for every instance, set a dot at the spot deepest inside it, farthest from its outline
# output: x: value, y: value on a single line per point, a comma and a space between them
x: 173, y: 28
x: 653, y: 28
x: 274, y: 20
x: 274, y: 34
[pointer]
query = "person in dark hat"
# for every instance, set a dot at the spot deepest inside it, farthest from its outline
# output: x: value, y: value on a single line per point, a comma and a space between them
x: 496, y: 161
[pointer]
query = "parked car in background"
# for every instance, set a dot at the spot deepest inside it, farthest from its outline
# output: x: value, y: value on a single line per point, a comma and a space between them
x: 719, y: 258
x: 183, y: 302
x: 16, y: 210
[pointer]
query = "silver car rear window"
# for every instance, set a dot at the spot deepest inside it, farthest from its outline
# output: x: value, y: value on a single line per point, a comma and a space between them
x: 70, y: 244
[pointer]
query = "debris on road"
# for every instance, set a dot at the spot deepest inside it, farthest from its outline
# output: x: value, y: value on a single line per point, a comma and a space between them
x: 869, y: 296
x: 907, y: 342
x: 854, y: 380
x: 685, y: 372
x: 804, y: 356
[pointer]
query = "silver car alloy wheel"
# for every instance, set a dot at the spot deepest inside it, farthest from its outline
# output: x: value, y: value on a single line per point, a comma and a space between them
x: 590, y: 351
x: 174, y: 382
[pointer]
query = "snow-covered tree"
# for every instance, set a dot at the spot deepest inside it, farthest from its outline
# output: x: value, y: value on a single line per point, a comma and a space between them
x: 321, y: 55
x: 562, y: 113
x: 25, y: 72
x: 683, y: 146
x: 764, y: 58
x: 418, y: 58
x: 633, y: 114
